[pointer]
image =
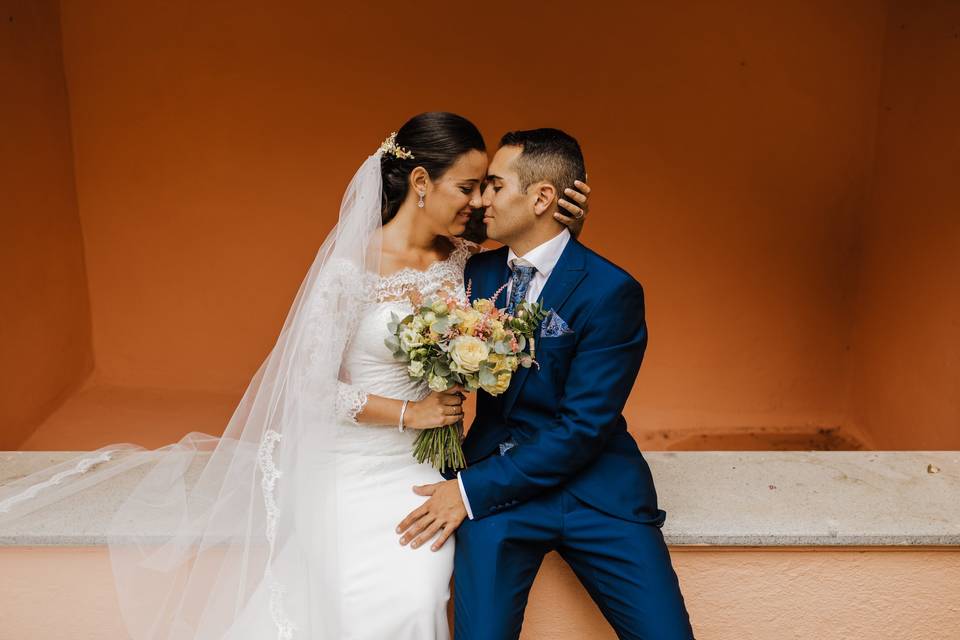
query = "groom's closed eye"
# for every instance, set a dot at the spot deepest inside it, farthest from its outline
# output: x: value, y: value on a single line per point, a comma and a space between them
x: 495, y: 181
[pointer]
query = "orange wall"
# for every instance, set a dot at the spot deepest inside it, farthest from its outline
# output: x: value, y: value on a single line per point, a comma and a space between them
x: 45, y: 347
x: 729, y: 147
x: 908, y: 365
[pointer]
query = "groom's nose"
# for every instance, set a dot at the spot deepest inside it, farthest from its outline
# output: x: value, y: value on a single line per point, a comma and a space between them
x: 487, y: 198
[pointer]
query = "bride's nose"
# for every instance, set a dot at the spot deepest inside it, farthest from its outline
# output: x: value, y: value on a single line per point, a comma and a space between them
x: 476, y: 198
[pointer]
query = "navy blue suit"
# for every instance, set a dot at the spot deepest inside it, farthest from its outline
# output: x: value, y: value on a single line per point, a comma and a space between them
x: 574, y: 481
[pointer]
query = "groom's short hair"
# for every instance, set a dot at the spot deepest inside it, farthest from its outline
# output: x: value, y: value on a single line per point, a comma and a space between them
x: 548, y: 155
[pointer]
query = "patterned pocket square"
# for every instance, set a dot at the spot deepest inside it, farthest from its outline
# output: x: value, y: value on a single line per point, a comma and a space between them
x: 554, y: 326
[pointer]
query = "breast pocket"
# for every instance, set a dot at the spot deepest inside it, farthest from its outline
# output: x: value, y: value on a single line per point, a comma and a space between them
x: 553, y: 356
x: 557, y: 342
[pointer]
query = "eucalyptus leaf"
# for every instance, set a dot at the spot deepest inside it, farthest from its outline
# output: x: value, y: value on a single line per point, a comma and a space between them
x: 486, y: 377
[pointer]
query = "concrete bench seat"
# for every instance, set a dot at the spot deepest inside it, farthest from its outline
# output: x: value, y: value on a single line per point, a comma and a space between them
x: 756, y: 498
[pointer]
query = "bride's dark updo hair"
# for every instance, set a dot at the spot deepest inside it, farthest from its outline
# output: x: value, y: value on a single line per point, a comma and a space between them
x: 436, y: 139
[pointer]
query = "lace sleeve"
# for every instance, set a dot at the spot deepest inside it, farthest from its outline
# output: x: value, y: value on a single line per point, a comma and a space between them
x: 350, y: 401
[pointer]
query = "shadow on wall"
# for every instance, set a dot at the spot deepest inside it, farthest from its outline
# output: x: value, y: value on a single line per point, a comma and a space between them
x: 756, y: 439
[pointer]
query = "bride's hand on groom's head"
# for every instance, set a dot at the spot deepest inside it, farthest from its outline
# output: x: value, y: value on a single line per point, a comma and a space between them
x: 574, y: 213
x: 439, y: 409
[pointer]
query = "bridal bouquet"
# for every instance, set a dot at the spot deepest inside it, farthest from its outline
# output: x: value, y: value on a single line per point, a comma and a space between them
x: 446, y: 343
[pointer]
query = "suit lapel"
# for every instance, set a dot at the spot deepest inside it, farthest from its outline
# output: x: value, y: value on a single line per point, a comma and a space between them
x: 491, y: 278
x: 562, y: 281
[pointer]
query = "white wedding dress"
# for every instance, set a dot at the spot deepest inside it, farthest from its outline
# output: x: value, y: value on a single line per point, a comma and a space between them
x: 388, y: 590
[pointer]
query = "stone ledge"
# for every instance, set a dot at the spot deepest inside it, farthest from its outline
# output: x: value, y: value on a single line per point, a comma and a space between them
x: 718, y: 498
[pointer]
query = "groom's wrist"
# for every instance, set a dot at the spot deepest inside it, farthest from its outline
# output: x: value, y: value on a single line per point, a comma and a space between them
x: 463, y: 496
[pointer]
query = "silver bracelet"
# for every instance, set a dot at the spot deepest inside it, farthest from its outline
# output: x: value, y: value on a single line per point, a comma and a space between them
x: 403, y: 410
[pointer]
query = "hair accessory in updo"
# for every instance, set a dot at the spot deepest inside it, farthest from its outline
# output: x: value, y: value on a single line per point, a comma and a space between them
x: 390, y: 146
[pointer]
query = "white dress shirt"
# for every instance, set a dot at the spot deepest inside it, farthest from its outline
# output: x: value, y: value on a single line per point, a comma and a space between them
x: 544, y: 258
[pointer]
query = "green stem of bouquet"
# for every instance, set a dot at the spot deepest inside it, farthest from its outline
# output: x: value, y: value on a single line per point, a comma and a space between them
x: 441, y: 447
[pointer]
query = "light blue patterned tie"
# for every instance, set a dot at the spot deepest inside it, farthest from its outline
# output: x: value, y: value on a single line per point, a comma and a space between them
x: 522, y: 275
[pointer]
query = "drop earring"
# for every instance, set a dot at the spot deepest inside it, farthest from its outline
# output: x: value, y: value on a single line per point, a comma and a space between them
x: 420, y: 203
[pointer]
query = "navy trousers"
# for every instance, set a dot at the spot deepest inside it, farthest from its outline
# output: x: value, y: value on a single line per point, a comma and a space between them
x: 625, y: 566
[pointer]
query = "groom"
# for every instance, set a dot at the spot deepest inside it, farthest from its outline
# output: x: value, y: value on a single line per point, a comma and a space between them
x: 551, y: 464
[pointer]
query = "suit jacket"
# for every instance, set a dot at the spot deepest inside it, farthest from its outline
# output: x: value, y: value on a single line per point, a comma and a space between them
x: 566, y: 416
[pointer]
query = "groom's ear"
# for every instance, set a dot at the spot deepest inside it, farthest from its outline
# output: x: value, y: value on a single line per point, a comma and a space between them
x: 546, y: 195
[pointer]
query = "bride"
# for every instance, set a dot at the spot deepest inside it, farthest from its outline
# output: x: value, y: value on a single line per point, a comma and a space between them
x: 283, y: 527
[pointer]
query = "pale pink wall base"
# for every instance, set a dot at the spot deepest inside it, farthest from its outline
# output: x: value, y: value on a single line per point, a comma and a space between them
x: 52, y: 593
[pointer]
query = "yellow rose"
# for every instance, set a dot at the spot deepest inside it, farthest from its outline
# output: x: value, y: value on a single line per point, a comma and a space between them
x: 468, y: 319
x: 503, y: 381
x: 468, y: 353
x: 483, y: 305
x: 497, y: 330
x: 510, y: 363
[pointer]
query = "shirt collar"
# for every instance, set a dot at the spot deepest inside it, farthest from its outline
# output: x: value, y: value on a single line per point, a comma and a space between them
x: 544, y: 257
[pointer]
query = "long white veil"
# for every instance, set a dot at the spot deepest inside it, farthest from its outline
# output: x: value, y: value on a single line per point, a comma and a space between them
x: 235, y: 536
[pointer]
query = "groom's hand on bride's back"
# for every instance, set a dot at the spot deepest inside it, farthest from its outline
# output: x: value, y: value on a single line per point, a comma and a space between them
x: 441, y: 514
x: 573, y: 207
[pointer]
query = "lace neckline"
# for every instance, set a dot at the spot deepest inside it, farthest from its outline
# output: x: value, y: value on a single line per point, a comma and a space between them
x: 459, y: 246
x: 446, y: 274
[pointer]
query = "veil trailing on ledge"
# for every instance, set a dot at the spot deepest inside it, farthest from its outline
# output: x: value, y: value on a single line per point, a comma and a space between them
x: 235, y: 536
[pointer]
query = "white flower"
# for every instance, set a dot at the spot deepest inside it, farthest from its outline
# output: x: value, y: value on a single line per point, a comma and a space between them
x: 468, y: 353
x: 437, y: 383
x: 416, y: 368
x: 410, y: 339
